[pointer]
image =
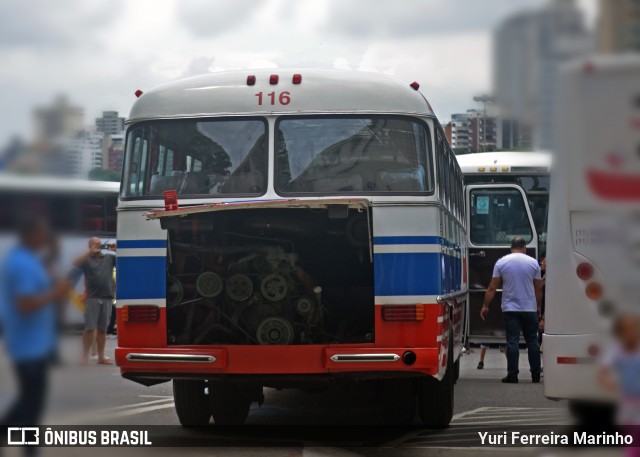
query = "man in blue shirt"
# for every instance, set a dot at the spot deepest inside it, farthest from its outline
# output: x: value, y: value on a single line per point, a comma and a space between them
x: 28, y: 318
x: 519, y: 275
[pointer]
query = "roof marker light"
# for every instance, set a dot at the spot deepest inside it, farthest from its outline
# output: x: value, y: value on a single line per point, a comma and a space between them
x: 251, y: 80
x: 297, y: 78
x: 414, y: 85
x: 138, y: 93
x: 584, y: 271
x: 594, y: 291
x: 273, y: 79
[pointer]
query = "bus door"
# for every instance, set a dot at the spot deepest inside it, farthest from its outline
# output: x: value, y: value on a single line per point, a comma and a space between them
x: 497, y: 213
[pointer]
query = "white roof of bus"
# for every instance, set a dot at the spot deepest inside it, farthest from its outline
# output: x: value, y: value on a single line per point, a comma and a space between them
x: 469, y: 163
x: 321, y: 91
x: 56, y: 185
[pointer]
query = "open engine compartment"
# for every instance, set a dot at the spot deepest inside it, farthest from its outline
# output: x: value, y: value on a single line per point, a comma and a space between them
x: 270, y: 276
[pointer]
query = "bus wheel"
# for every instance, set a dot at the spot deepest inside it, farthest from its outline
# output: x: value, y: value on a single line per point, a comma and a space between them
x: 398, y: 401
x: 456, y: 370
x: 589, y: 413
x: 230, y: 403
x: 435, y: 398
x: 191, y: 402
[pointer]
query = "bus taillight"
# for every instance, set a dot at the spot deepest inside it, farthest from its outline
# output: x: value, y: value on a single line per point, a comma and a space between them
x: 140, y: 313
x: 584, y: 271
x: 403, y: 312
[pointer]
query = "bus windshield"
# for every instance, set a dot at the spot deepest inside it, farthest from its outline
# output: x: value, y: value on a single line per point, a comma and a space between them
x: 196, y: 157
x: 346, y: 155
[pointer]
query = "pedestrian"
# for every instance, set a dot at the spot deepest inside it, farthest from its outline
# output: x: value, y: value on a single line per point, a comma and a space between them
x: 29, y: 318
x: 483, y: 352
x: 97, y: 266
x: 620, y: 374
x: 520, y: 278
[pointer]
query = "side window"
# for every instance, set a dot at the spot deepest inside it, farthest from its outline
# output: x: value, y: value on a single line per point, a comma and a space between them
x: 92, y: 215
x: 7, y: 211
x: 497, y: 216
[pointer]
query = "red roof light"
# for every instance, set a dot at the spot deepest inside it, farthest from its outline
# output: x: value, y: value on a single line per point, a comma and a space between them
x: 138, y: 93
x: 273, y: 79
x: 251, y: 80
x: 584, y: 271
x: 414, y: 85
x: 297, y: 78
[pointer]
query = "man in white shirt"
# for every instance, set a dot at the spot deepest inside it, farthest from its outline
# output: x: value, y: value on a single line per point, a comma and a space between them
x: 519, y: 276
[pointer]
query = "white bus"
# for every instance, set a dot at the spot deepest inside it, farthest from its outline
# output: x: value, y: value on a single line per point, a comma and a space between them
x: 526, y: 174
x: 594, y: 229
x: 291, y: 229
x: 76, y: 210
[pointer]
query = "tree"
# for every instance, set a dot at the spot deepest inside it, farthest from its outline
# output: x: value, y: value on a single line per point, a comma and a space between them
x: 100, y: 174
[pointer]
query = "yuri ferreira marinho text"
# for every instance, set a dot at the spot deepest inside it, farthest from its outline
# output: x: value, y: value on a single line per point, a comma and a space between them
x: 551, y: 438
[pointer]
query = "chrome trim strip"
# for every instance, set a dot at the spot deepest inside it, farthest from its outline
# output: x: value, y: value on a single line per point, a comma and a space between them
x: 185, y: 358
x: 451, y: 296
x: 365, y: 357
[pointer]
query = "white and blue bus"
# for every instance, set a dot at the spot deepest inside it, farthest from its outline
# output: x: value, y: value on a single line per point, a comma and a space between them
x: 288, y: 229
x: 76, y: 210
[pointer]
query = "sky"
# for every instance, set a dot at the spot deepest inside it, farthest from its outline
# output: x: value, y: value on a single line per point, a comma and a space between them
x: 98, y: 52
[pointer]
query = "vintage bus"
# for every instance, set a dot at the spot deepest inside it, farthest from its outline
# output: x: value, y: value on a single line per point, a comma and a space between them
x: 292, y: 228
x: 76, y: 210
x: 513, y: 178
x: 594, y: 229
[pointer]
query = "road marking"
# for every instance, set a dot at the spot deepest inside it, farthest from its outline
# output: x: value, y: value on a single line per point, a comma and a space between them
x: 466, y: 425
x: 119, y: 411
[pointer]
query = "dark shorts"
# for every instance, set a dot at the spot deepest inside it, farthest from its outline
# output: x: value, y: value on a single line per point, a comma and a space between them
x: 97, y: 312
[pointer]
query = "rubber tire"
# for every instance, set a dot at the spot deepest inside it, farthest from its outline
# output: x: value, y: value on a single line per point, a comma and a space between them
x: 436, y: 398
x: 229, y: 403
x: 191, y: 402
x: 397, y: 401
x: 456, y: 371
x: 589, y: 414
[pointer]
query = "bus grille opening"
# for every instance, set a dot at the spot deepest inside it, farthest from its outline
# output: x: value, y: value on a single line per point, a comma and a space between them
x: 270, y: 276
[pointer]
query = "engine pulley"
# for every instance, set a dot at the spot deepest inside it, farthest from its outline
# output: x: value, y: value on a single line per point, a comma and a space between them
x: 275, y: 330
x: 274, y: 287
x: 175, y: 292
x: 239, y: 287
x: 209, y: 284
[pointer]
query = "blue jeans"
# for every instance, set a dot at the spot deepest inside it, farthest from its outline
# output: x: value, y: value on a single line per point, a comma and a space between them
x: 527, y: 322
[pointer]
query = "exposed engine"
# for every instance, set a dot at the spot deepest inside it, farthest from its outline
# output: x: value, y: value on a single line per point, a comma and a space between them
x: 270, y: 277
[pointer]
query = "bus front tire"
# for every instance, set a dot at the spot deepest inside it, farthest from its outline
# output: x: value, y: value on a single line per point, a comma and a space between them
x: 436, y: 398
x: 398, y: 401
x: 230, y: 403
x: 191, y: 402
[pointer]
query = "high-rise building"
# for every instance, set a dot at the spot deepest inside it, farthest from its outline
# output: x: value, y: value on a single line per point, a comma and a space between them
x: 110, y: 123
x: 473, y: 132
x: 619, y: 26
x: 115, y: 155
x: 82, y: 153
x: 59, y: 120
x: 530, y: 48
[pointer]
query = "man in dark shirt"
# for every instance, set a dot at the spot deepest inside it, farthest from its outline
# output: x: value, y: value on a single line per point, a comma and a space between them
x: 97, y: 266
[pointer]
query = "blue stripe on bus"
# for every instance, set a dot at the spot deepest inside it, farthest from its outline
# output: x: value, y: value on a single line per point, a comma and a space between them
x: 416, y: 273
x: 131, y: 244
x: 407, y: 240
x: 141, y: 277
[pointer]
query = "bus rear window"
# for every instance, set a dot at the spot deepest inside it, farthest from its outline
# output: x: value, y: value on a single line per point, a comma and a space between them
x: 349, y: 155
x: 196, y: 158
